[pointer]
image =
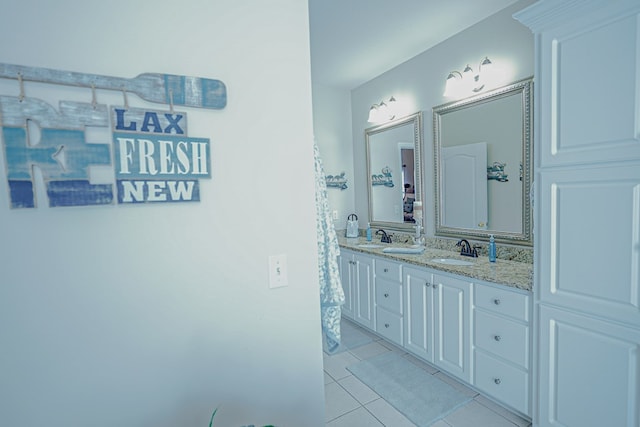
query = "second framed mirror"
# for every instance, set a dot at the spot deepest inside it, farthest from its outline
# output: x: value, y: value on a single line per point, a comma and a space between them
x: 394, y: 172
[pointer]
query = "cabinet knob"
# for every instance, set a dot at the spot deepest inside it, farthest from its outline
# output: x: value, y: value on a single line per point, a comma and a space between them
x: 497, y: 380
x: 386, y: 270
x: 386, y: 295
x: 497, y: 337
x: 496, y: 301
x: 427, y: 284
x: 386, y: 325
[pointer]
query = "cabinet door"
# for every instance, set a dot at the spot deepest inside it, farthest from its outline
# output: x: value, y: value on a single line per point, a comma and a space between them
x: 452, y: 337
x: 364, y: 290
x: 419, y: 313
x: 590, y: 255
x: 591, y: 371
x: 603, y: 126
x: 347, y: 276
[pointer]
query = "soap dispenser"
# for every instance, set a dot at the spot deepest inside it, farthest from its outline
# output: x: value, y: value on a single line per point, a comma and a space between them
x: 369, y: 237
x: 492, y: 249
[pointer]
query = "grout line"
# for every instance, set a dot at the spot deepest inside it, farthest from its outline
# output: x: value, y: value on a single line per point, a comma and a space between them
x: 374, y: 415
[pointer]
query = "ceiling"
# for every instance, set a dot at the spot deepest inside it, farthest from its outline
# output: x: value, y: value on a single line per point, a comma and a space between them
x: 353, y: 41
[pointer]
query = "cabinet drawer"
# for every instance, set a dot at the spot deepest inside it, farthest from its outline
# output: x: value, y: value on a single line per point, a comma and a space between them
x: 389, y: 295
x: 389, y: 325
x: 502, y: 337
x: 388, y: 270
x: 503, y: 301
x: 502, y: 381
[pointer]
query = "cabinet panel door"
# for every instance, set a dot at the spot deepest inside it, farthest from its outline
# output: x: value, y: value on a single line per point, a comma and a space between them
x: 452, y: 301
x: 418, y: 313
x: 347, y: 273
x: 364, y: 291
x: 602, y: 126
x: 590, y: 258
x: 592, y: 371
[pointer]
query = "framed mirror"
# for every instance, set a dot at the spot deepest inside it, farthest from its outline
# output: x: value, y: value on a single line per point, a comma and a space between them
x: 394, y: 172
x: 483, y: 154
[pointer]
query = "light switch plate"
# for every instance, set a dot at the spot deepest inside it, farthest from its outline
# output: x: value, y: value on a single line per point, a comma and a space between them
x: 278, y: 271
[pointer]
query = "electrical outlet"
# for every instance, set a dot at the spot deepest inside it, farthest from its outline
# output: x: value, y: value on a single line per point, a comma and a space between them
x: 278, y: 271
x: 335, y: 214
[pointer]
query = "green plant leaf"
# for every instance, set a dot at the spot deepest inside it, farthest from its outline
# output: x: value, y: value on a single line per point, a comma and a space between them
x: 213, y: 415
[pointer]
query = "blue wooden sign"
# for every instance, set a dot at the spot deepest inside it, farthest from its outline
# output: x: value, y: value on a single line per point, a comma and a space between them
x: 62, y: 153
x: 153, y: 158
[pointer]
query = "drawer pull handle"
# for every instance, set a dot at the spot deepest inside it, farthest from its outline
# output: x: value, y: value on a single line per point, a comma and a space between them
x: 386, y: 325
x: 386, y: 270
x: 496, y: 301
x: 497, y: 337
x: 386, y: 295
x: 497, y: 381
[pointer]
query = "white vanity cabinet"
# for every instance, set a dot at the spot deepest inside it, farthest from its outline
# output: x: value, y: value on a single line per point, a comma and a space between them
x: 388, y: 300
x: 479, y: 332
x: 438, y: 319
x: 356, y: 270
x: 476, y: 331
x: 501, y: 340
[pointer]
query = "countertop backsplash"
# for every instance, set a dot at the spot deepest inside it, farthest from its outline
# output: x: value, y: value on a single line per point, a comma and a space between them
x: 505, y: 252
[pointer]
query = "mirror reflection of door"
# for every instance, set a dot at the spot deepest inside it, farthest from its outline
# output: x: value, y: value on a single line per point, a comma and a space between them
x: 405, y: 149
x: 464, y: 186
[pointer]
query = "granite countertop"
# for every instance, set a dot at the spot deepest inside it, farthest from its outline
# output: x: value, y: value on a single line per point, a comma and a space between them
x: 503, y: 272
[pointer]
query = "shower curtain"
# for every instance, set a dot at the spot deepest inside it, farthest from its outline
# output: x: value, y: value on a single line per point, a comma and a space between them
x: 331, y: 293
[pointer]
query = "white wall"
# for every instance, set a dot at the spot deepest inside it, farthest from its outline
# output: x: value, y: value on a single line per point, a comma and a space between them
x: 418, y: 85
x: 332, y: 131
x: 155, y: 315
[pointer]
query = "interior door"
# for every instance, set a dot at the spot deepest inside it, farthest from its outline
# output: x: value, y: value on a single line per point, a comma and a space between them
x: 464, y: 192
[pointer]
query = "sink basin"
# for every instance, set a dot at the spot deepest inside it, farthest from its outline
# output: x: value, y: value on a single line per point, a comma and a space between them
x: 402, y: 250
x: 451, y: 261
x: 369, y: 245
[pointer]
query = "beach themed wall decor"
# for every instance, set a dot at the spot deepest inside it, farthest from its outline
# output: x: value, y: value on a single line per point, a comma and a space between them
x: 154, y: 159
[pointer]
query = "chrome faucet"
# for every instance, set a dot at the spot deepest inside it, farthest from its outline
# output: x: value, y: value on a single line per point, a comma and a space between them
x: 385, y: 237
x: 466, y: 249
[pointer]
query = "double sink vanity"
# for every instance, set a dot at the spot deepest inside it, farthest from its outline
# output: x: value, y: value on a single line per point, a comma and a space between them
x: 469, y: 317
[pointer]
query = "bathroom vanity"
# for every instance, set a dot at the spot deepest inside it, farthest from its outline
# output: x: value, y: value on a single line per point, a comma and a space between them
x: 471, y: 321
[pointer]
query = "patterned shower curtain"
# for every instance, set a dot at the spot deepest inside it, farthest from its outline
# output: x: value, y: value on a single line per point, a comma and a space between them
x: 331, y: 293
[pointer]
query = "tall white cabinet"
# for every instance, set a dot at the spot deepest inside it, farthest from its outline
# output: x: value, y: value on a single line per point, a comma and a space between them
x: 587, y: 212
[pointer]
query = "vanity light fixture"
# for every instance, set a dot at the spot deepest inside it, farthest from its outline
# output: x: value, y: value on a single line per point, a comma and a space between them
x: 383, y: 111
x: 460, y: 84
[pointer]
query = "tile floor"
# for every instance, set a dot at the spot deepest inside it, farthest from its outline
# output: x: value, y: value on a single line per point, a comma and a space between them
x: 350, y: 403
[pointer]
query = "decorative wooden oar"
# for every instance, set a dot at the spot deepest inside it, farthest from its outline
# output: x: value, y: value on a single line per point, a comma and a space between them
x: 153, y: 87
